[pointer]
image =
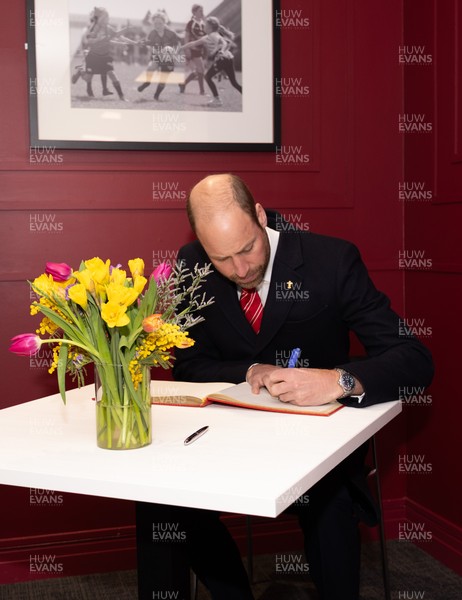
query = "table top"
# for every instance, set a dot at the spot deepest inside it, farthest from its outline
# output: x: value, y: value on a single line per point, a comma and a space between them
x: 249, y: 461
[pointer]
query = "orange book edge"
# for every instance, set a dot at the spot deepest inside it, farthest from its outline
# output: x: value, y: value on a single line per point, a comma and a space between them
x: 240, y: 395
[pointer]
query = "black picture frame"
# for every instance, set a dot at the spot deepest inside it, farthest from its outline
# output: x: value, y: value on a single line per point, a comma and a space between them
x: 58, y: 120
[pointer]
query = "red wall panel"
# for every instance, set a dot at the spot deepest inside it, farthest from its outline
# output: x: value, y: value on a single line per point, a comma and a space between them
x: 432, y: 227
x: 121, y: 204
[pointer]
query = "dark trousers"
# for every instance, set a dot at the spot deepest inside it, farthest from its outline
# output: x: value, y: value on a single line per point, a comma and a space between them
x: 328, y: 516
x: 332, y: 542
x: 226, y: 65
x: 171, y: 539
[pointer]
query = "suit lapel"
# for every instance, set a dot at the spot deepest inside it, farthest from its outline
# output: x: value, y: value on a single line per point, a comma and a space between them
x: 227, y: 300
x: 279, y: 301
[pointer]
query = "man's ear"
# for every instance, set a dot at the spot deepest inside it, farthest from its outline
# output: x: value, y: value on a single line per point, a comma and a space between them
x: 261, y: 215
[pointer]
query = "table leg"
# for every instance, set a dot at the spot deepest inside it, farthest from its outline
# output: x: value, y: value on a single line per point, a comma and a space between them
x: 163, y: 569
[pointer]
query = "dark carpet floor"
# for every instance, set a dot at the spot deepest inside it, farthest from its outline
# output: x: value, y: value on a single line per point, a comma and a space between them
x: 413, y: 573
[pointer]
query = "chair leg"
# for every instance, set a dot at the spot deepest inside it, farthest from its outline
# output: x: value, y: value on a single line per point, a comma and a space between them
x: 383, y: 544
x: 249, y: 548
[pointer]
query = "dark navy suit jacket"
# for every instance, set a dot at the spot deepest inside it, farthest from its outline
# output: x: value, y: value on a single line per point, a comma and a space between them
x: 332, y: 295
x: 319, y: 291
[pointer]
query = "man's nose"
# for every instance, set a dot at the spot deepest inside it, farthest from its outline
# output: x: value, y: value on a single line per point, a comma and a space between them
x: 241, y: 267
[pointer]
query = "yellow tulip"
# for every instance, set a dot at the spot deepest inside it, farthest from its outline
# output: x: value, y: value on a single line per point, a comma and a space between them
x: 78, y: 294
x: 114, y: 314
x: 185, y: 343
x: 136, y: 267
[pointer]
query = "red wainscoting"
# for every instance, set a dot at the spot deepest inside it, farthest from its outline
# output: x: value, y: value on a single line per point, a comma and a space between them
x: 432, y: 293
x: 107, y: 203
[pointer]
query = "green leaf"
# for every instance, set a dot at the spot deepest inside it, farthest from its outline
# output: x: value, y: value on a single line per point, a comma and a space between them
x: 62, y: 364
x: 148, y: 303
x: 123, y: 343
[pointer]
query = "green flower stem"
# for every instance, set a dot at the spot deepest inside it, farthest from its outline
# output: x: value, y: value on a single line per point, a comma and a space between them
x: 72, y: 343
x: 124, y: 420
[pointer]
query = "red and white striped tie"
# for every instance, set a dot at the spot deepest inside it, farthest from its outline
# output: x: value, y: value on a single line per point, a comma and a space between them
x: 252, y: 307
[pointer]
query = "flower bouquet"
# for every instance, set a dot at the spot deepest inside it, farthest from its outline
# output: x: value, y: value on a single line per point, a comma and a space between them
x: 124, y: 325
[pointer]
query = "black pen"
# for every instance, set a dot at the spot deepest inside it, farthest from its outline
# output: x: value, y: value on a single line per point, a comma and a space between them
x: 196, y: 435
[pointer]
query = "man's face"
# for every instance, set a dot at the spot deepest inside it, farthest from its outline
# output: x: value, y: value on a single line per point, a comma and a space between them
x: 159, y: 24
x: 237, y: 246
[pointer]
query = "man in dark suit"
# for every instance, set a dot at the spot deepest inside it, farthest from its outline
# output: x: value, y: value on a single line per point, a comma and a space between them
x: 313, y: 291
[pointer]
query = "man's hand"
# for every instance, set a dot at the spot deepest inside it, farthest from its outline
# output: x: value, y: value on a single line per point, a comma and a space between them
x: 255, y: 376
x: 305, y: 387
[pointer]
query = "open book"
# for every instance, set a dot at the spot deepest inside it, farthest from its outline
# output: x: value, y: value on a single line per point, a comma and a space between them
x: 183, y: 393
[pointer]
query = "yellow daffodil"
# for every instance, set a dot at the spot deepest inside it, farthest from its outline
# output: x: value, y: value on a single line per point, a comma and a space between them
x: 99, y: 270
x: 139, y: 282
x: 86, y: 279
x: 114, y: 314
x: 78, y: 294
x: 119, y: 294
x: 118, y: 276
x: 136, y: 267
x: 44, y: 285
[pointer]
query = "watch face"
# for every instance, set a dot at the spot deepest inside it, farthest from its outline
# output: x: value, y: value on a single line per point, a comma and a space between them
x: 347, y: 381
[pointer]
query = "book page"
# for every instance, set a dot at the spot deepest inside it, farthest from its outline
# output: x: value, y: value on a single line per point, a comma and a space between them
x: 241, y: 395
x: 184, y: 392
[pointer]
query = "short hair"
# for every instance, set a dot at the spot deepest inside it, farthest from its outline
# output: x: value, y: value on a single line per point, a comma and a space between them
x: 242, y: 196
x: 160, y: 15
x: 196, y: 7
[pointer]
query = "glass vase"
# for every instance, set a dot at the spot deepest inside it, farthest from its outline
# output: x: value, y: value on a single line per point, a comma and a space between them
x: 123, y: 408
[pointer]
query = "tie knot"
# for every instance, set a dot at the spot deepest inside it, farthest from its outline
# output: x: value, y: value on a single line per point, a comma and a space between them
x: 252, y: 306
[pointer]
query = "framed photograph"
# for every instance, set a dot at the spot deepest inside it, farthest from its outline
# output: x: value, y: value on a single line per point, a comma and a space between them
x: 125, y: 76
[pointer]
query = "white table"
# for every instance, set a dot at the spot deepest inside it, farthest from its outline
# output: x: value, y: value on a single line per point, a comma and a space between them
x: 240, y: 465
x: 249, y: 462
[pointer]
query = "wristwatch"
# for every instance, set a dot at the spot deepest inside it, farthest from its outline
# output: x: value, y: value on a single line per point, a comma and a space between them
x: 346, y: 381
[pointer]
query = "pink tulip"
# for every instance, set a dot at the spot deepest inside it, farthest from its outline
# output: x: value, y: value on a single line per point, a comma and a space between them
x: 59, y: 271
x: 25, y: 344
x: 163, y: 271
